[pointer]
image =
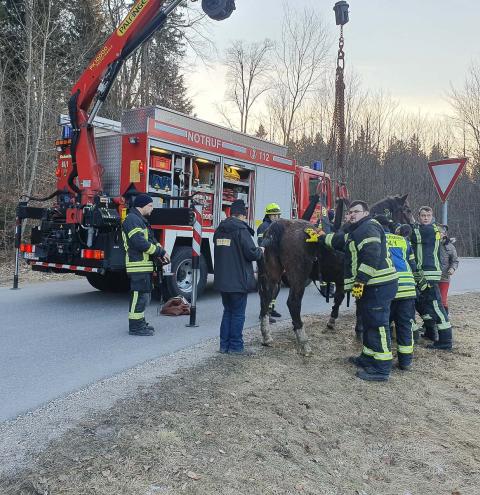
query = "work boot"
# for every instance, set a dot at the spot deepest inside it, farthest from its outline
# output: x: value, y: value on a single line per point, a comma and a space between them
x: 444, y: 346
x: 429, y: 332
x: 370, y: 374
x: 243, y: 352
x: 275, y: 313
x: 142, y: 331
x: 405, y: 367
x: 357, y: 361
x: 148, y: 325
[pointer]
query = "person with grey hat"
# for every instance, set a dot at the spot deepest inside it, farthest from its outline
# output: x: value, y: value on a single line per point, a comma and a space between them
x: 141, y: 248
x: 234, y: 253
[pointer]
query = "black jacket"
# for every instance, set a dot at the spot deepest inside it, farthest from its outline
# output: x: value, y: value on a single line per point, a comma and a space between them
x: 426, y: 244
x: 234, y: 253
x: 366, y: 256
x: 140, y: 244
x: 262, y: 228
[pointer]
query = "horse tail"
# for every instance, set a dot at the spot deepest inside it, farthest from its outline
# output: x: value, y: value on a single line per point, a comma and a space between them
x: 273, y: 238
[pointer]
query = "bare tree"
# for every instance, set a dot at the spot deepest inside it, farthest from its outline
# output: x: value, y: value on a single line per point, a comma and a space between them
x: 465, y: 102
x: 247, y: 70
x: 301, y: 56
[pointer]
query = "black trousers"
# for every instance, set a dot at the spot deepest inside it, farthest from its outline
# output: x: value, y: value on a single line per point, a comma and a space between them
x: 402, y: 313
x: 430, y: 308
x: 374, y: 309
x: 140, y: 295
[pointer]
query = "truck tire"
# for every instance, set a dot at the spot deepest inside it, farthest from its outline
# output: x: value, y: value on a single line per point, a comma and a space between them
x: 110, y: 282
x: 180, y: 282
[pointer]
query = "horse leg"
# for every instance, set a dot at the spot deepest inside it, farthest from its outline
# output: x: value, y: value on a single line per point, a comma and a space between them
x: 265, y: 298
x: 294, y: 303
x: 337, y: 302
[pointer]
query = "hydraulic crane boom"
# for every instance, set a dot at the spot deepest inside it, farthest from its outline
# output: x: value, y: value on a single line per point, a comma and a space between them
x: 142, y: 21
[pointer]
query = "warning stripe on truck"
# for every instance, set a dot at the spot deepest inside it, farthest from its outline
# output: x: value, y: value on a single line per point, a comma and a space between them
x: 74, y: 268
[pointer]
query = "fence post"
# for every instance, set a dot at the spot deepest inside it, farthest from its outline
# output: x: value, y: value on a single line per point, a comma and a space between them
x: 18, y: 240
x: 196, y: 253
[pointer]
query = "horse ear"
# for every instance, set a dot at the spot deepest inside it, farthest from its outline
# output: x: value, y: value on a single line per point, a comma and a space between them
x: 403, y: 198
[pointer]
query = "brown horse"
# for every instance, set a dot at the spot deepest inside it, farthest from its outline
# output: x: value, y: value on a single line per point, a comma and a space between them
x: 288, y: 253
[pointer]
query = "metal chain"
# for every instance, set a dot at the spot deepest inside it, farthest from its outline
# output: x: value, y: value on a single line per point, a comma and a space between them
x: 339, y: 113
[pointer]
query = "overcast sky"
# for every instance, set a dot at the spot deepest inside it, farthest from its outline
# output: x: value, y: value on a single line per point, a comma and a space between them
x: 411, y: 49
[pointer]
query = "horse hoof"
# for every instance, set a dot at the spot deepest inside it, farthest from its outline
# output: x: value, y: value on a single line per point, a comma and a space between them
x: 268, y: 343
x: 306, y: 351
x: 331, y: 324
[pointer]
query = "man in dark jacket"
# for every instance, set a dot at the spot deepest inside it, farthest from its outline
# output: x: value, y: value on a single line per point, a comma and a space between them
x: 372, y: 279
x: 426, y: 240
x: 234, y: 253
x: 272, y: 213
x: 141, y: 248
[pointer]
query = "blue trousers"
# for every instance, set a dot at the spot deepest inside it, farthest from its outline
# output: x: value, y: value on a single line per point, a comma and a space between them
x: 231, y: 328
x: 374, y: 308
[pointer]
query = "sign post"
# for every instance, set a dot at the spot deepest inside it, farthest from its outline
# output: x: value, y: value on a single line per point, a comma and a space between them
x: 444, y: 174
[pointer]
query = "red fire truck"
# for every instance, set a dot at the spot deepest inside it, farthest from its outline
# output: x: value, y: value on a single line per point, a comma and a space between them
x: 103, y: 164
x: 169, y: 155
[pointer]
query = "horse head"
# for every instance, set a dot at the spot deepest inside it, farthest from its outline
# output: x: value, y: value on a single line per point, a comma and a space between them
x: 396, y: 208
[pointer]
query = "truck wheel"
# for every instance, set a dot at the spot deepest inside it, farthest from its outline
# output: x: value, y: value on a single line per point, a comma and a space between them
x: 110, y: 282
x: 180, y: 283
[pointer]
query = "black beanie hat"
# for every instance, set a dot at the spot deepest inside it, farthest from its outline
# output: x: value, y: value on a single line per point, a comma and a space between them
x: 142, y: 200
x: 238, y: 208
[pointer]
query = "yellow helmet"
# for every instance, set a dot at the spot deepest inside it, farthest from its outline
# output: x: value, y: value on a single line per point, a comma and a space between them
x: 273, y: 209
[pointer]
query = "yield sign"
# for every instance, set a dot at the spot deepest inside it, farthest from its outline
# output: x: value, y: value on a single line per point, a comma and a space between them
x: 445, y: 173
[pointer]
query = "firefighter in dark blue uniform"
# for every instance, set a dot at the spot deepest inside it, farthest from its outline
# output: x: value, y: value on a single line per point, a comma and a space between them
x: 402, y: 310
x: 426, y: 238
x: 372, y: 279
x: 141, y: 249
x: 272, y: 213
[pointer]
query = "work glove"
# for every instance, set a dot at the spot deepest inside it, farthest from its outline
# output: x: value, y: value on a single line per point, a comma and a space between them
x: 422, y: 282
x: 357, y: 290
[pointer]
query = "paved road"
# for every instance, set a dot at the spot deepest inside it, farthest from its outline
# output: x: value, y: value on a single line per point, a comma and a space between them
x: 58, y: 337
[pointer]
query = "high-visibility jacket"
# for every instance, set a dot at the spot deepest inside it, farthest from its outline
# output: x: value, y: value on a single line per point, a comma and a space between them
x: 403, y: 259
x: 366, y: 255
x: 140, y: 244
x: 426, y: 243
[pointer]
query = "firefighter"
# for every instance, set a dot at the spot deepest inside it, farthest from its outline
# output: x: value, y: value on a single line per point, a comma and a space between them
x: 272, y: 213
x: 402, y: 310
x: 426, y: 238
x: 372, y: 279
x: 141, y: 250
x: 234, y: 253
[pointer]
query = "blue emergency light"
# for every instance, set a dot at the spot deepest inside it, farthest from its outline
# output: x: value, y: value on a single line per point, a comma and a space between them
x: 318, y: 165
x: 67, y: 131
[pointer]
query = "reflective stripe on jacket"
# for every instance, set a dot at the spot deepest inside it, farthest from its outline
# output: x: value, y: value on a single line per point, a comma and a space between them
x: 140, y: 243
x: 403, y: 259
x: 426, y: 243
x: 366, y: 254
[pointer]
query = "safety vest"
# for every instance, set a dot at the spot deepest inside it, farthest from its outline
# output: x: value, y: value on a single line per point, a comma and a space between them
x: 426, y: 245
x: 402, y: 255
x: 139, y: 244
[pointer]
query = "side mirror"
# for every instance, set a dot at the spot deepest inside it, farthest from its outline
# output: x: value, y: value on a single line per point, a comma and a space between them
x: 218, y: 9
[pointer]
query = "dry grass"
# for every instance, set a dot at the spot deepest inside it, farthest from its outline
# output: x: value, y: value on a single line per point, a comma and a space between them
x: 277, y: 423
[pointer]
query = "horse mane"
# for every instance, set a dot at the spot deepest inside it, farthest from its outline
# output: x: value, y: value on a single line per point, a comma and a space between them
x: 273, y: 237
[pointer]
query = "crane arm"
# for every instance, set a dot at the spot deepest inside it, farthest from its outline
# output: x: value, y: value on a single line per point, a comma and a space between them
x: 141, y: 22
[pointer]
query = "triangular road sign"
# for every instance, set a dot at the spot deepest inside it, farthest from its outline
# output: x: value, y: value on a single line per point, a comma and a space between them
x: 445, y: 173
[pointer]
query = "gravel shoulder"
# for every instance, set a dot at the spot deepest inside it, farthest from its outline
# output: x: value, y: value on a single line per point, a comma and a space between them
x: 275, y: 423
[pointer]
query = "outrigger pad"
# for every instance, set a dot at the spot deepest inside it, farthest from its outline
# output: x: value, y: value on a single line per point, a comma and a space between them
x: 313, y: 234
